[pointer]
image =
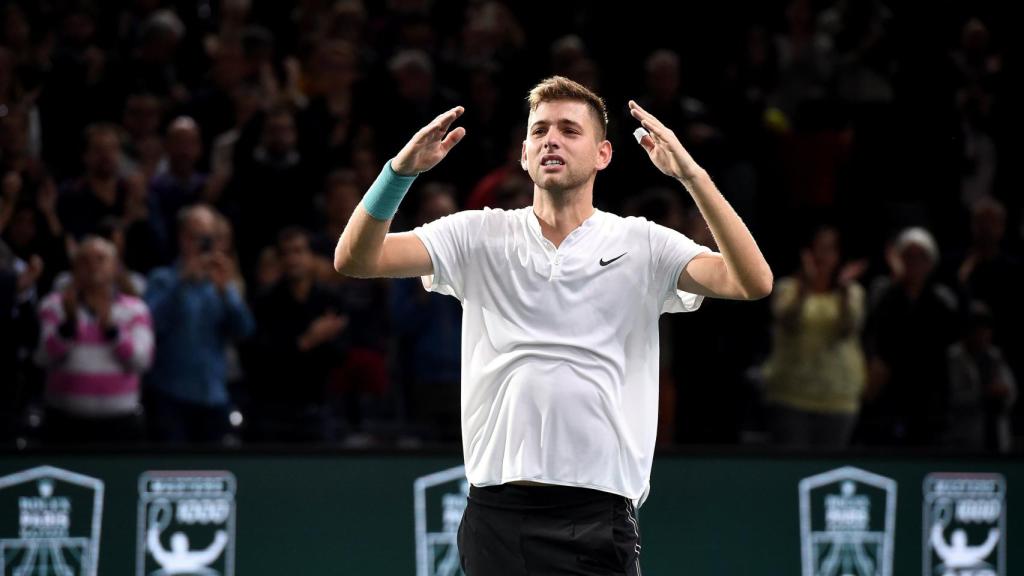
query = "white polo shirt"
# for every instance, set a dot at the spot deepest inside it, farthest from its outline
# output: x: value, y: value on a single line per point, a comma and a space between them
x: 559, y: 345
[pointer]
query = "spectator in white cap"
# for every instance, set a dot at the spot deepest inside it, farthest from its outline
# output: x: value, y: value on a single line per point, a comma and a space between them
x: 912, y: 322
x: 917, y: 255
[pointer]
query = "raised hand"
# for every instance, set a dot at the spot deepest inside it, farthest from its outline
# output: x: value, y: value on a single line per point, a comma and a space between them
x: 324, y: 328
x: 69, y: 300
x: 220, y: 269
x: 664, y: 148
x: 100, y: 304
x: 31, y: 273
x: 430, y: 145
x: 851, y: 271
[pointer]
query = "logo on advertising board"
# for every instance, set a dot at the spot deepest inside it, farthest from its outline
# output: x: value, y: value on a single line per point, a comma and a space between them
x: 847, y: 523
x: 964, y: 525
x: 440, y: 500
x: 186, y: 524
x: 50, y: 523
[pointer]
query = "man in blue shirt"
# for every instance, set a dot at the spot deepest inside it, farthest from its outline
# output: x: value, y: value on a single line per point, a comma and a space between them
x: 197, y: 310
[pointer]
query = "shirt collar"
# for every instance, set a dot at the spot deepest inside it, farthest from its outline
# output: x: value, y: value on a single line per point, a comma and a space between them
x: 591, y: 222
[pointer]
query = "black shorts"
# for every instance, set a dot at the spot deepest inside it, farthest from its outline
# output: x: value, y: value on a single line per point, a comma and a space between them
x: 514, y: 530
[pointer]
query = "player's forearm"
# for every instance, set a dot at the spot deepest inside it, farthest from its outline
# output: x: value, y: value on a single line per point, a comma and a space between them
x: 747, y: 266
x: 360, y: 246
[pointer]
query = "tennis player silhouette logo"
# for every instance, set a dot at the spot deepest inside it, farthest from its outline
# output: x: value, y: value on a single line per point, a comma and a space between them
x: 957, y: 554
x: 965, y: 524
x: 180, y: 559
x: 186, y: 523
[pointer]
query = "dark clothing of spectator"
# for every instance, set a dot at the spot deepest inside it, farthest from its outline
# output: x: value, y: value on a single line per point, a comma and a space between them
x: 66, y: 428
x: 999, y: 283
x: 168, y: 194
x: 266, y: 195
x: 429, y: 343
x: 288, y: 385
x: 81, y: 210
x: 911, y: 337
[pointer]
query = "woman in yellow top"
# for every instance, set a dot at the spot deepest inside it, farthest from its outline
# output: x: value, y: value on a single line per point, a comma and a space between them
x: 816, y: 372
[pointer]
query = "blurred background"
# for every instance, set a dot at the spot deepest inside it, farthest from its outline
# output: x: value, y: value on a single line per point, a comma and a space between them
x: 175, y: 175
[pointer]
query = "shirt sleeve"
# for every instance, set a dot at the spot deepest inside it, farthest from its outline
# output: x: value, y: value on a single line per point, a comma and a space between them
x: 449, y: 241
x: 670, y: 253
x: 163, y: 297
x: 134, y: 345
x: 53, y: 346
x: 858, y: 306
x: 239, y: 321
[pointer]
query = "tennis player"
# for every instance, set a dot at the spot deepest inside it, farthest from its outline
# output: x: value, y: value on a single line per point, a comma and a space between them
x: 559, y: 331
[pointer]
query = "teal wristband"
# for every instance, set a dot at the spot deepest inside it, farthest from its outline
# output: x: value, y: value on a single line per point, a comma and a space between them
x: 382, y: 199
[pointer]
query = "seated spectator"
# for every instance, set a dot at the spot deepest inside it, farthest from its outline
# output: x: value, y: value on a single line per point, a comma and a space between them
x: 141, y: 119
x: 816, y: 373
x: 988, y: 272
x: 128, y: 281
x: 982, y: 389
x: 248, y: 100
x: 181, y: 183
x: 102, y: 191
x: 268, y: 270
x: 912, y: 321
x: 341, y: 196
x: 96, y: 341
x: 299, y: 338
x: 29, y: 224
x: 363, y: 375
x: 18, y: 332
x: 332, y: 121
x: 272, y: 187
x: 429, y: 340
x: 197, y: 310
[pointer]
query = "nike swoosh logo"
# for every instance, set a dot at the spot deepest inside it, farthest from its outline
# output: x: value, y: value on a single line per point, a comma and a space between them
x: 604, y: 262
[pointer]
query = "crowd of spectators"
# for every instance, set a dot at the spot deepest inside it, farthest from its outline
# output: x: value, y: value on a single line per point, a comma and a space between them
x: 175, y: 175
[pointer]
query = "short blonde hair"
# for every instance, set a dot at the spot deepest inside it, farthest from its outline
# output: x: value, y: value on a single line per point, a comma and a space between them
x: 106, y: 246
x: 562, y: 88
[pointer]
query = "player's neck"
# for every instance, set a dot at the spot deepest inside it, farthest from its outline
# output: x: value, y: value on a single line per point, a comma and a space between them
x: 562, y: 212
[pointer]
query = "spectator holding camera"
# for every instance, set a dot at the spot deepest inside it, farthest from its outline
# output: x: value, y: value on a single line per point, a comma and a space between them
x: 197, y: 311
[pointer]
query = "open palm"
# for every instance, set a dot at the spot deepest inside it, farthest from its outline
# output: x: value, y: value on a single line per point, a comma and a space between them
x: 429, y: 145
x: 662, y: 145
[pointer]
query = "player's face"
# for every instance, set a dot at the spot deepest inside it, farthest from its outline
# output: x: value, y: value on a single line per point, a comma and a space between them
x: 564, y: 147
